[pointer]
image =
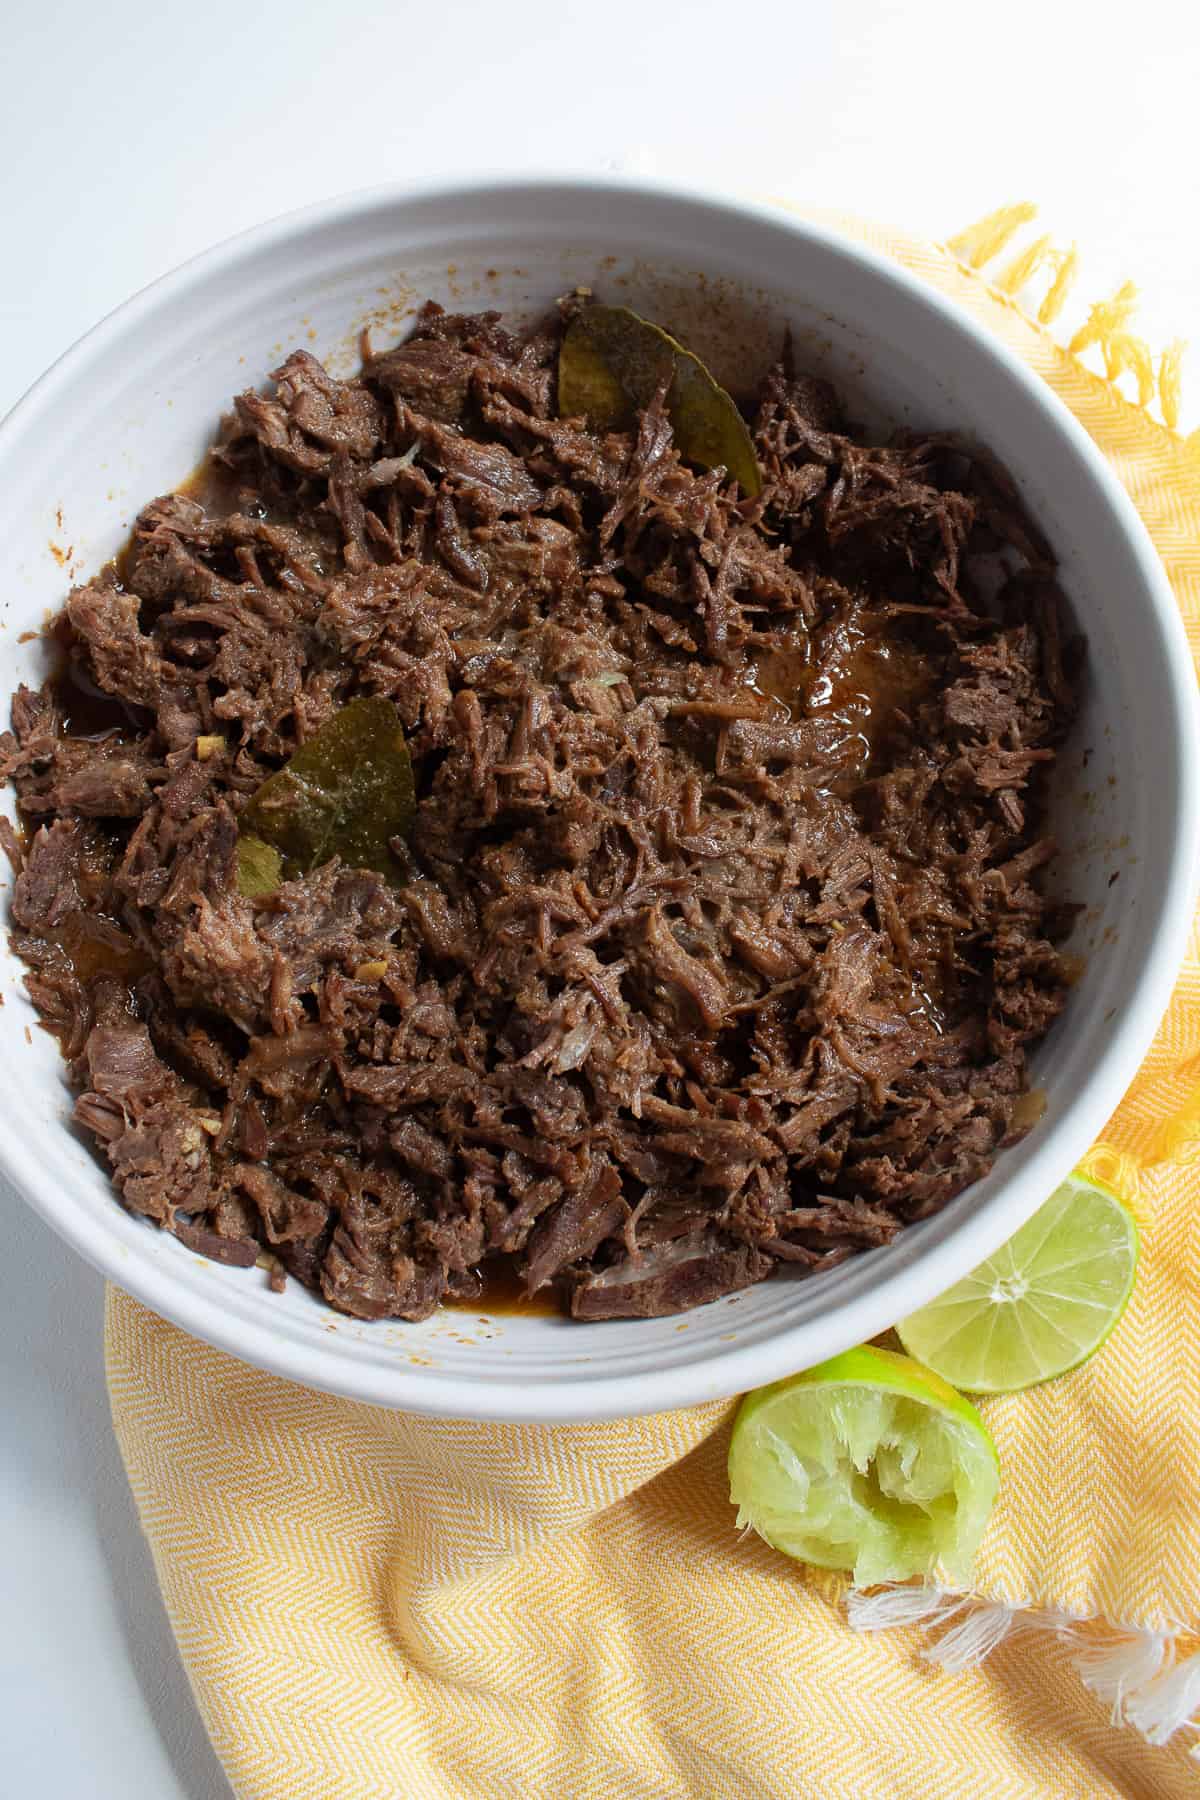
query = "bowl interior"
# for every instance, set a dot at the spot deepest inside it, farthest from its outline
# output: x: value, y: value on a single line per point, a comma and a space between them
x: 128, y: 415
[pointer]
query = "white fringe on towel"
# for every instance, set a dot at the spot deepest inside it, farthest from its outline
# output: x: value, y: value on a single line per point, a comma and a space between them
x: 1136, y: 1674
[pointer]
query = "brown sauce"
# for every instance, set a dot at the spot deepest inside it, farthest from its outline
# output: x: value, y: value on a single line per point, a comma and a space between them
x: 86, y: 711
x: 503, y: 1293
x: 213, y: 486
x: 1028, y: 1110
x: 1074, y: 967
x: 97, y: 946
x: 859, y: 673
x: 861, y: 679
x: 783, y: 674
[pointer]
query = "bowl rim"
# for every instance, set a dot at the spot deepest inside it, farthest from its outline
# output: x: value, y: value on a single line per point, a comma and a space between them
x: 729, y: 1370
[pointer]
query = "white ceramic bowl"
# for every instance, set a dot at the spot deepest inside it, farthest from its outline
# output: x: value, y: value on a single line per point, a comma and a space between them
x: 126, y: 415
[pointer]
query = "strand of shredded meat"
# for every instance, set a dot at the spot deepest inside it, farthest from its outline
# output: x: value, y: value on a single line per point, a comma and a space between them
x: 721, y: 941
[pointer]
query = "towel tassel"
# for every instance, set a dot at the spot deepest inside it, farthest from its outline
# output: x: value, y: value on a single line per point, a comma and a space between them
x: 1106, y: 328
x: 1138, y: 1674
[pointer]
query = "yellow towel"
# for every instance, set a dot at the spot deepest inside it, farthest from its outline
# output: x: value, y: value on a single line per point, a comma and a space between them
x: 371, y: 1604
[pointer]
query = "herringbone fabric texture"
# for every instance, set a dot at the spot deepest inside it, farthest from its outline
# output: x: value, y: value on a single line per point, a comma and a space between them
x: 371, y: 1604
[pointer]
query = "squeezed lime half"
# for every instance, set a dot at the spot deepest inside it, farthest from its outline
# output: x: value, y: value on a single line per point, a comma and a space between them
x: 868, y: 1462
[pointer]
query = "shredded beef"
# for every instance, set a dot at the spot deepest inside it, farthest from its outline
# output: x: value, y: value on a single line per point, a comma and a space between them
x: 720, y: 943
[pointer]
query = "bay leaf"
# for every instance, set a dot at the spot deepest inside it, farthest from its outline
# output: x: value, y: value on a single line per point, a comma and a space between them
x: 612, y: 362
x: 259, y: 867
x: 347, y: 792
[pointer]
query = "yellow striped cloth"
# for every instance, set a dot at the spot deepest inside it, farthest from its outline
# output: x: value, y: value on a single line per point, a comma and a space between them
x: 371, y: 1604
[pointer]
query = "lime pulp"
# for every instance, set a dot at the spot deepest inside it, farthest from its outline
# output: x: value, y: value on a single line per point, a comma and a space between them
x: 868, y: 1463
x: 1042, y: 1304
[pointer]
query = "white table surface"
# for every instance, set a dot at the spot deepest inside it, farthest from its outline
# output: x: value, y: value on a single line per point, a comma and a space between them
x: 133, y: 136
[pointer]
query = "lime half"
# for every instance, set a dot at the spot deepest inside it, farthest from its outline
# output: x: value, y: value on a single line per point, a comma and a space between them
x: 1042, y: 1304
x: 867, y: 1462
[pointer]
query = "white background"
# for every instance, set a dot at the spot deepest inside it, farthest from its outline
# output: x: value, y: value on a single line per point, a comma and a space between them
x: 133, y: 136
